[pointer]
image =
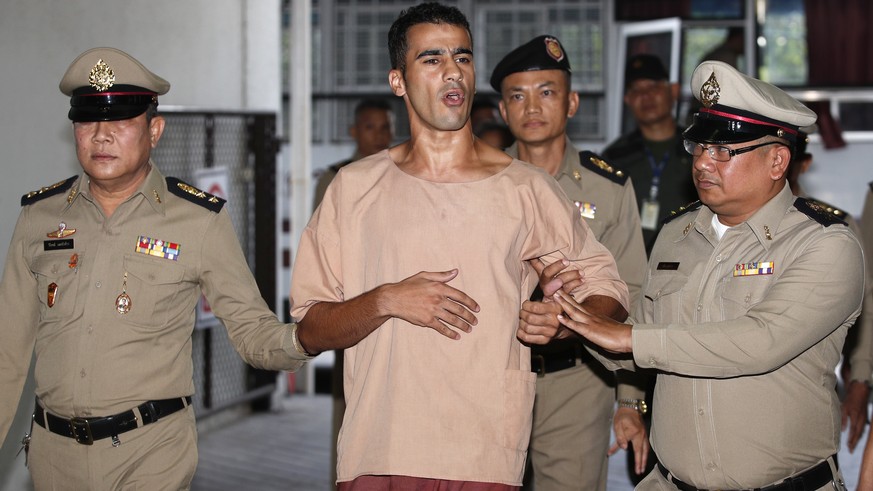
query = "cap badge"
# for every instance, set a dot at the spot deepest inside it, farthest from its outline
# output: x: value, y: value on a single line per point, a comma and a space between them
x: 709, y: 91
x: 780, y: 132
x: 101, y: 77
x: 553, y: 48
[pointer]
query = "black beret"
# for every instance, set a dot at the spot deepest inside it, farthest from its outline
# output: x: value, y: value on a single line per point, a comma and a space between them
x: 644, y: 67
x: 540, y: 53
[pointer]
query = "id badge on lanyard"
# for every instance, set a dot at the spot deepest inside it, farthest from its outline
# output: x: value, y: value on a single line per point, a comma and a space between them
x: 651, y: 208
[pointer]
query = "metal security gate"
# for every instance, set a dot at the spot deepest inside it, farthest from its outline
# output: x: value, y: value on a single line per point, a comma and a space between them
x: 245, y: 144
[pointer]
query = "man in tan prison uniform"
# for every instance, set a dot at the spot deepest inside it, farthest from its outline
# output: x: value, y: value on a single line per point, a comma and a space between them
x: 416, y: 261
x: 576, y: 395
x: 101, y: 282
x: 746, y: 306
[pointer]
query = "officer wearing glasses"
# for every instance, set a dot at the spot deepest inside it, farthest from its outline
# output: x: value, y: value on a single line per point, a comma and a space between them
x: 745, y: 308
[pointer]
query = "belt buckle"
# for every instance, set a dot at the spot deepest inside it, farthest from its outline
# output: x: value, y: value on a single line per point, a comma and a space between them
x: 82, y: 431
x: 541, y: 362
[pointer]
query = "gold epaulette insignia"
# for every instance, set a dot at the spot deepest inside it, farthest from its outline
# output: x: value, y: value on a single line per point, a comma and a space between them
x: 821, y: 212
x: 683, y: 210
x: 194, y: 195
x: 593, y: 162
x: 603, y: 165
x: 42, y: 193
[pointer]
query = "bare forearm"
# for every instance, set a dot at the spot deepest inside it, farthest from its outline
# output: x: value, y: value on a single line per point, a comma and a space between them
x: 339, y: 325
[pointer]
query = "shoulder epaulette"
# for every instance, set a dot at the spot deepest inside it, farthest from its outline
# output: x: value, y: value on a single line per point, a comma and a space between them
x: 683, y: 210
x: 819, y: 213
x: 833, y: 210
x: 594, y: 163
x: 194, y: 195
x: 43, y: 193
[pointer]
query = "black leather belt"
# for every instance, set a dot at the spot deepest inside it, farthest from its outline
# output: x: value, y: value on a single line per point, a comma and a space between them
x: 542, y: 363
x: 809, y: 480
x: 88, y: 430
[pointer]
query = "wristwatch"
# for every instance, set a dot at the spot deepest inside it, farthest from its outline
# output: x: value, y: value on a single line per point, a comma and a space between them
x: 638, y: 405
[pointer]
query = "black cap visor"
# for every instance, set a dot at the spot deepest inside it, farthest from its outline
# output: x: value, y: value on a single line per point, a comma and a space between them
x: 109, y: 106
x: 709, y: 129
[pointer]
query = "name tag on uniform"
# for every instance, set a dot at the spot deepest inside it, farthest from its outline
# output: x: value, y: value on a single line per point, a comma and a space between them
x: 754, y: 268
x: 668, y: 266
x: 57, y: 245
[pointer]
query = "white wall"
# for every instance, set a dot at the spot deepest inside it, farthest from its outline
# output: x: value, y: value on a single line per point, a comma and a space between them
x: 216, y: 54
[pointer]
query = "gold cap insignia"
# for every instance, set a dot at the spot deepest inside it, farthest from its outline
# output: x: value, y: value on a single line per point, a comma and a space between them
x: 709, y: 91
x: 553, y: 48
x: 101, y: 77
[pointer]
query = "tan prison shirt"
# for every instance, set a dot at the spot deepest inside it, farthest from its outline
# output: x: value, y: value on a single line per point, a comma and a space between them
x: 92, y: 360
x: 420, y: 404
x: 745, y: 333
x: 609, y: 206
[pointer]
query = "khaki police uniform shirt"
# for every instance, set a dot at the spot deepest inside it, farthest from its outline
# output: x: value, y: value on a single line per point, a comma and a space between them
x: 609, y: 207
x: 859, y: 342
x: 862, y: 356
x: 745, y: 333
x: 420, y: 404
x: 92, y: 360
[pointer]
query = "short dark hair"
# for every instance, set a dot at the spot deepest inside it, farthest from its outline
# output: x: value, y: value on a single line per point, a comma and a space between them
x: 423, y: 13
x: 372, y: 103
x: 151, y: 112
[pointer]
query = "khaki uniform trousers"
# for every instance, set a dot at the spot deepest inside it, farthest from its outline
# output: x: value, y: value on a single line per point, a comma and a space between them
x: 158, y: 456
x: 572, y: 423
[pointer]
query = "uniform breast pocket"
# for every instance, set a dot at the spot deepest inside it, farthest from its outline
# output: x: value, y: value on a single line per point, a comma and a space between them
x: 741, y: 293
x: 57, y: 285
x: 664, y: 296
x: 155, y: 287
